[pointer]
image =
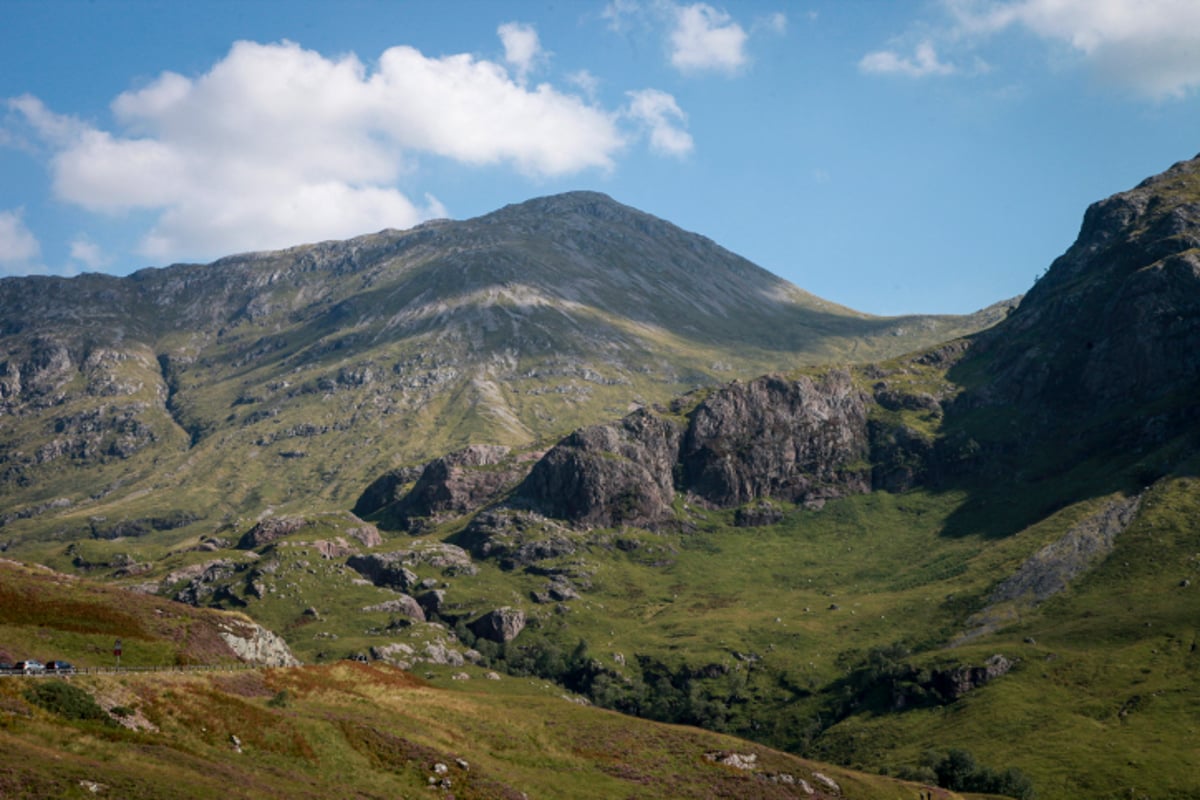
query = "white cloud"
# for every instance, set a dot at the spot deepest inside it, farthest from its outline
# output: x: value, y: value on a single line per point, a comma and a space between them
x: 277, y: 145
x: 87, y: 252
x: 705, y: 39
x: 585, y: 81
x: 923, y: 62
x: 521, y: 47
x: 661, y: 116
x: 1150, y: 46
x: 776, y: 23
x: 18, y: 246
x: 620, y: 13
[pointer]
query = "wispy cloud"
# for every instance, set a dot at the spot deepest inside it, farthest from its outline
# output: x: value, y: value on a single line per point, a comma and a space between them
x: 923, y: 62
x: 18, y: 245
x: 88, y: 253
x: 662, y: 118
x: 1151, y: 46
x: 522, y: 48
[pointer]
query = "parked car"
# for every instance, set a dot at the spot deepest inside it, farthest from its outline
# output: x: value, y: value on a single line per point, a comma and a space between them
x: 30, y: 667
x: 60, y: 667
x: 5, y: 667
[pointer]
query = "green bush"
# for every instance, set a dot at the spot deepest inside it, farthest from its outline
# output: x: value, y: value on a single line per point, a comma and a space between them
x: 68, y: 701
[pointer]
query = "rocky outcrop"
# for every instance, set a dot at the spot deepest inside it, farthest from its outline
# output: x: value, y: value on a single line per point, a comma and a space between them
x: 518, y: 538
x: 1114, y: 322
x: 452, y: 485
x: 794, y: 440
x: 386, y: 570
x: 953, y: 683
x: 500, y: 625
x: 390, y: 569
x: 270, y: 530
x: 605, y: 475
x: 404, y: 605
x: 257, y: 645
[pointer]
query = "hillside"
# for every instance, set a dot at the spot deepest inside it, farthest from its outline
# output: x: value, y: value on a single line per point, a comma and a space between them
x: 345, y: 730
x: 209, y: 393
x: 970, y: 564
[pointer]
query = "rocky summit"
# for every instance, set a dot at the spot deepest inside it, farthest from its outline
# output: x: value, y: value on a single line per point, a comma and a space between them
x: 572, y: 444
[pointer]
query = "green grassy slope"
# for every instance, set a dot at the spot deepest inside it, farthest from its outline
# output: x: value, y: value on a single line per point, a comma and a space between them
x: 345, y: 729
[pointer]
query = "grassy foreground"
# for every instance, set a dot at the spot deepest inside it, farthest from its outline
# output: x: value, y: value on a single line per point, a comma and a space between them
x: 343, y: 729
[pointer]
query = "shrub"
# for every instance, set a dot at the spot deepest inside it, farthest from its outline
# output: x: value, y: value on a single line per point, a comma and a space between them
x: 68, y: 701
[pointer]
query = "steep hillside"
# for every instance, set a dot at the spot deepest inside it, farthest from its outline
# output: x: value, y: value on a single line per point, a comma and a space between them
x: 288, y: 379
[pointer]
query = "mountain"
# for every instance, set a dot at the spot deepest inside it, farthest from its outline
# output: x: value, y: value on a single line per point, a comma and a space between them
x: 986, y: 546
x: 970, y: 564
x: 277, y: 379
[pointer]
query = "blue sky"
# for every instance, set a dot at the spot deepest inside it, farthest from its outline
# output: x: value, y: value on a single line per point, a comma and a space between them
x: 895, y: 157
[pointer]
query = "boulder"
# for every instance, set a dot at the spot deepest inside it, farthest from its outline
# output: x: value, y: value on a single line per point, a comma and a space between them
x: 269, y: 530
x: 500, y: 625
x: 384, y: 569
x: 404, y: 605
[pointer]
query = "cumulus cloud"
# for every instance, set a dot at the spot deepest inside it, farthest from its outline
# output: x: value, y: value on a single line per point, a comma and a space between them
x: 522, y: 49
x: 1152, y: 46
x: 18, y: 246
x: 276, y: 144
x: 923, y: 62
x: 705, y: 39
x: 662, y: 118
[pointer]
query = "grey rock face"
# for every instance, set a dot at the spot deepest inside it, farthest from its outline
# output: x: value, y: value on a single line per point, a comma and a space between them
x: 384, y: 569
x: 604, y: 475
x: 256, y: 644
x: 1048, y: 571
x: 793, y: 440
x: 403, y: 605
x: 454, y: 484
x: 1116, y: 318
x: 501, y: 625
x: 270, y: 530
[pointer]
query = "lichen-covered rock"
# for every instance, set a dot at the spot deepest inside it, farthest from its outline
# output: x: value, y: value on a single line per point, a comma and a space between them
x: 254, y: 643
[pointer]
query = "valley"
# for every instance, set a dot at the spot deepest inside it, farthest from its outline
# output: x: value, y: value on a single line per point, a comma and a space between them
x: 601, y: 458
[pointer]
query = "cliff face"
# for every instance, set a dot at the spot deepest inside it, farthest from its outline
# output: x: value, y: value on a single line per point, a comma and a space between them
x: 795, y: 440
x: 1115, y: 321
x: 616, y: 474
